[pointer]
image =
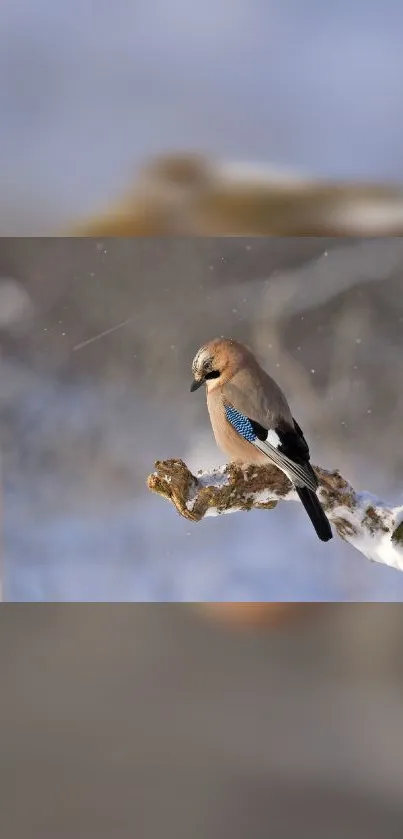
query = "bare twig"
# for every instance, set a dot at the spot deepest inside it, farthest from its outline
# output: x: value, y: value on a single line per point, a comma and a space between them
x: 372, y: 527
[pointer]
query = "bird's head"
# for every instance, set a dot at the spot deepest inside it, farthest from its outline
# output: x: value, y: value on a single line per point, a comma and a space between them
x: 216, y: 362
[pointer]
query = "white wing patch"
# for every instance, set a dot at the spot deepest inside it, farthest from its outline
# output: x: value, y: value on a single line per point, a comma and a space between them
x: 273, y: 438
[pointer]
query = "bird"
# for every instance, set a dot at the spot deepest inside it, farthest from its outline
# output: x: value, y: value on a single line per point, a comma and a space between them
x: 252, y: 421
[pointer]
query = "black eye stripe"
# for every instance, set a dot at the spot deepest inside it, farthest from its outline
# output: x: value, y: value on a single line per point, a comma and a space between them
x: 214, y: 374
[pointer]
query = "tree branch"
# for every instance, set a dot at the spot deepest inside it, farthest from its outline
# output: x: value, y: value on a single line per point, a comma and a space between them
x: 371, y: 526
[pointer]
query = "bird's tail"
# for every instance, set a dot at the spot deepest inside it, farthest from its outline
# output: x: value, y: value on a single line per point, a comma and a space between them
x: 315, y: 511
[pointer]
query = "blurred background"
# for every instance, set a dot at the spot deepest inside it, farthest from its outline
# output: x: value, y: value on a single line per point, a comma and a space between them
x: 149, y: 721
x: 89, y: 91
x: 97, y: 338
x: 158, y: 720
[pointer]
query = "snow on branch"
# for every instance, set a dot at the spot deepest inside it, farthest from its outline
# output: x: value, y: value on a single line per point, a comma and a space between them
x: 371, y: 526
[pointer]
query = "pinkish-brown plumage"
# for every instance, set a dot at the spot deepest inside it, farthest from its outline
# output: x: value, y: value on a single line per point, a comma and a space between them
x: 252, y: 421
x: 243, y: 383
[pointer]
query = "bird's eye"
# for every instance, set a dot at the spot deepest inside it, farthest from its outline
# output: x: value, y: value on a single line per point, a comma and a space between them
x: 214, y: 374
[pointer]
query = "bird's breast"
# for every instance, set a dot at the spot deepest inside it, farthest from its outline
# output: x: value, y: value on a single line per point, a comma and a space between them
x: 227, y: 438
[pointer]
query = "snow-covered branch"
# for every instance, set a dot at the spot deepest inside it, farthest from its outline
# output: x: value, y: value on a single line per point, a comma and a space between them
x: 371, y: 526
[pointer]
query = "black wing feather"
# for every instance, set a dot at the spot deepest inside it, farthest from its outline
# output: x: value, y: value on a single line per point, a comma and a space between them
x: 292, y: 443
x: 261, y: 433
x: 294, y: 446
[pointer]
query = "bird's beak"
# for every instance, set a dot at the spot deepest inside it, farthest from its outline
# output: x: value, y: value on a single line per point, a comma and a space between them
x: 196, y: 384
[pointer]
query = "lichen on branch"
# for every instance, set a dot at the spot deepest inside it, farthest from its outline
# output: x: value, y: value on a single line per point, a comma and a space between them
x: 372, y: 527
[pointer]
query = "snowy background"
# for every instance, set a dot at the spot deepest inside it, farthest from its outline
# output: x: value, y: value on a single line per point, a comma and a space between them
x: 82, y: 423
x: 88, y: 90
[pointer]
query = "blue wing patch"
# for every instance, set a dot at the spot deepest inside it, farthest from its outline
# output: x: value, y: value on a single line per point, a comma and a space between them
x: 241, y: 424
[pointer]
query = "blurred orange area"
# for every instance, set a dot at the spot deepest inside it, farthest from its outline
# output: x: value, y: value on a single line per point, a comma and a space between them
x: 257, y: 615
x: 186, y: 194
